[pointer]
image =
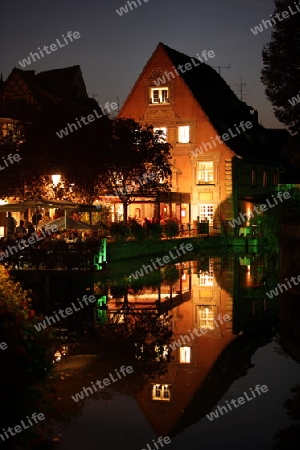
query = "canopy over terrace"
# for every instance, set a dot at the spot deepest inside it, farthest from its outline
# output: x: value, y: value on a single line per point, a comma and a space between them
x: 36, y: 203
x: 39, y: 203
x: 68, y: 223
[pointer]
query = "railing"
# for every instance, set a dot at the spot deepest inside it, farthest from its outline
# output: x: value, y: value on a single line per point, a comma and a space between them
x: 53, y: 255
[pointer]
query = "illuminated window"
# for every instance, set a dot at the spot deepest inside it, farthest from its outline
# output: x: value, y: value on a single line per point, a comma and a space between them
x: 205, y: 172
x: 265, y: 178
x: 206, y: 317
x: 207, y: 276
x: 160, y: 95
x: 162, y: 352
x: 206, y: 212
x: 184, y: 134
x: 161, y: 392
x: 185, y: 355
x: 161, y: 132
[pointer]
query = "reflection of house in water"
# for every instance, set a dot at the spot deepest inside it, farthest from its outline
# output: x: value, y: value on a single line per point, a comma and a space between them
x: 168, y: 400
x: 164, y: 399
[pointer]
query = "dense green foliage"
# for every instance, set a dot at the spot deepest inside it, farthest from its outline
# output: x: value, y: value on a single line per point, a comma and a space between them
x: 281, y: 58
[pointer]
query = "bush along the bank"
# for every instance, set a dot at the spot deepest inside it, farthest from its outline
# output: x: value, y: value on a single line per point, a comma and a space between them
x: 26, y: 361
x: 171, y: 228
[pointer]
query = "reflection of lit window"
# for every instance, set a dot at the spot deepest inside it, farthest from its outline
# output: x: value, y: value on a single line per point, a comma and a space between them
x: 253, y: 177
x: 161, y: 392
x: 185, y: 354
x: 207, y: 277
x: 206, y: 314
x: 184, y: 134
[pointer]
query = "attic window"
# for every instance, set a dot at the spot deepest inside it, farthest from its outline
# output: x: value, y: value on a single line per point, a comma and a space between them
x: 159, y: 95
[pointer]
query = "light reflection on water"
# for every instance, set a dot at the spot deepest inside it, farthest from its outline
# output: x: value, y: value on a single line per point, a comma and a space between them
x: 172, y: 391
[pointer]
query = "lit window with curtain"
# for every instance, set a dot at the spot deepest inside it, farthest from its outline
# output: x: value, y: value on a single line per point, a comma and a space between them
x: 159, y: 95
x: 206, y: 317
x: 184, y: 134
x: 205, y: 173
x: 161, y: 392
x: 185, y: 355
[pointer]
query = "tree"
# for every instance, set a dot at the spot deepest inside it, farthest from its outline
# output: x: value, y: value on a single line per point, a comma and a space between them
x: 78, y: 156
x: 281, y: 71
x: 10, y: 166
x: 27, y: 358
x: 139, y: 163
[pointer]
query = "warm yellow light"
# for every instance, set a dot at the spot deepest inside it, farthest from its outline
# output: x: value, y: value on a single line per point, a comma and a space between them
x: 56, y: 179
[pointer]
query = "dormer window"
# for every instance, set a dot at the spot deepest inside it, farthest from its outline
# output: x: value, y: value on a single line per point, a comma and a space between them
x: 159, y: 95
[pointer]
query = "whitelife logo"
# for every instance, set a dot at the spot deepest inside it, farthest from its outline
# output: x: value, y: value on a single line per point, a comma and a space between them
x: 246, y: 216
x: 30, y: 241
x: 10, y: 159
x: 106, y: 382
x: 53, y: 47
x: 294, y: 100
x: 188, y: 66
x: 224, y: 138
x: 86, y: 120
x: 42, y: 325
x: 274, y: 292
x: 241, y: 400
x: 198, y: 333
x: 166, y: 260
x: 272, y: 22
x: 18, y: 428
x: 161, y: 440
x: 124, y: 9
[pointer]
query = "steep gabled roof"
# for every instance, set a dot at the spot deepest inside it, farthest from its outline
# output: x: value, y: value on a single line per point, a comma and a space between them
x: 60, y: 86
x: 223, y: 108
x: 66, y: 83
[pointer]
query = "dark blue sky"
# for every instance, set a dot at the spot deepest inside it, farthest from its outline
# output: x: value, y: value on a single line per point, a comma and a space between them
x: 113, y: 50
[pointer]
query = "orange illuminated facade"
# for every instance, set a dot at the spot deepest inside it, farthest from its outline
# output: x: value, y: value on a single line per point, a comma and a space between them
x: 221, y: 156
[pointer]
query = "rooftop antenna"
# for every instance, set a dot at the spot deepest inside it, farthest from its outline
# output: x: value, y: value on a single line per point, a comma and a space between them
x: 221, y: 67
x: 240, y: 85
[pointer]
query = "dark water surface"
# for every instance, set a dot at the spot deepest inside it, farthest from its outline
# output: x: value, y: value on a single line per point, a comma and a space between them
x: 171, y: 392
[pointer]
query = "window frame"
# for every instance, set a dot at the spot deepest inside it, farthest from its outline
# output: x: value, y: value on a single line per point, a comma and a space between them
x: 188, y: 356
x: 163, y: 388
x: 206, y: 171
x: 181, y: 141
x: 161, y: 96
x: 163, y: 136
x: 265, y: 178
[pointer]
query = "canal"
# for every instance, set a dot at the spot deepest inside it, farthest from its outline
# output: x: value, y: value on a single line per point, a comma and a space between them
x: 199, y: 354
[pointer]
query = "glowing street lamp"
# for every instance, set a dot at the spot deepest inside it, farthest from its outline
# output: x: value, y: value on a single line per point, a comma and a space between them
x: 55, y: 179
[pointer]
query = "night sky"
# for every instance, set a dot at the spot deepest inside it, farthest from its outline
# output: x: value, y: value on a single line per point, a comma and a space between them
x: 113, y: 49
